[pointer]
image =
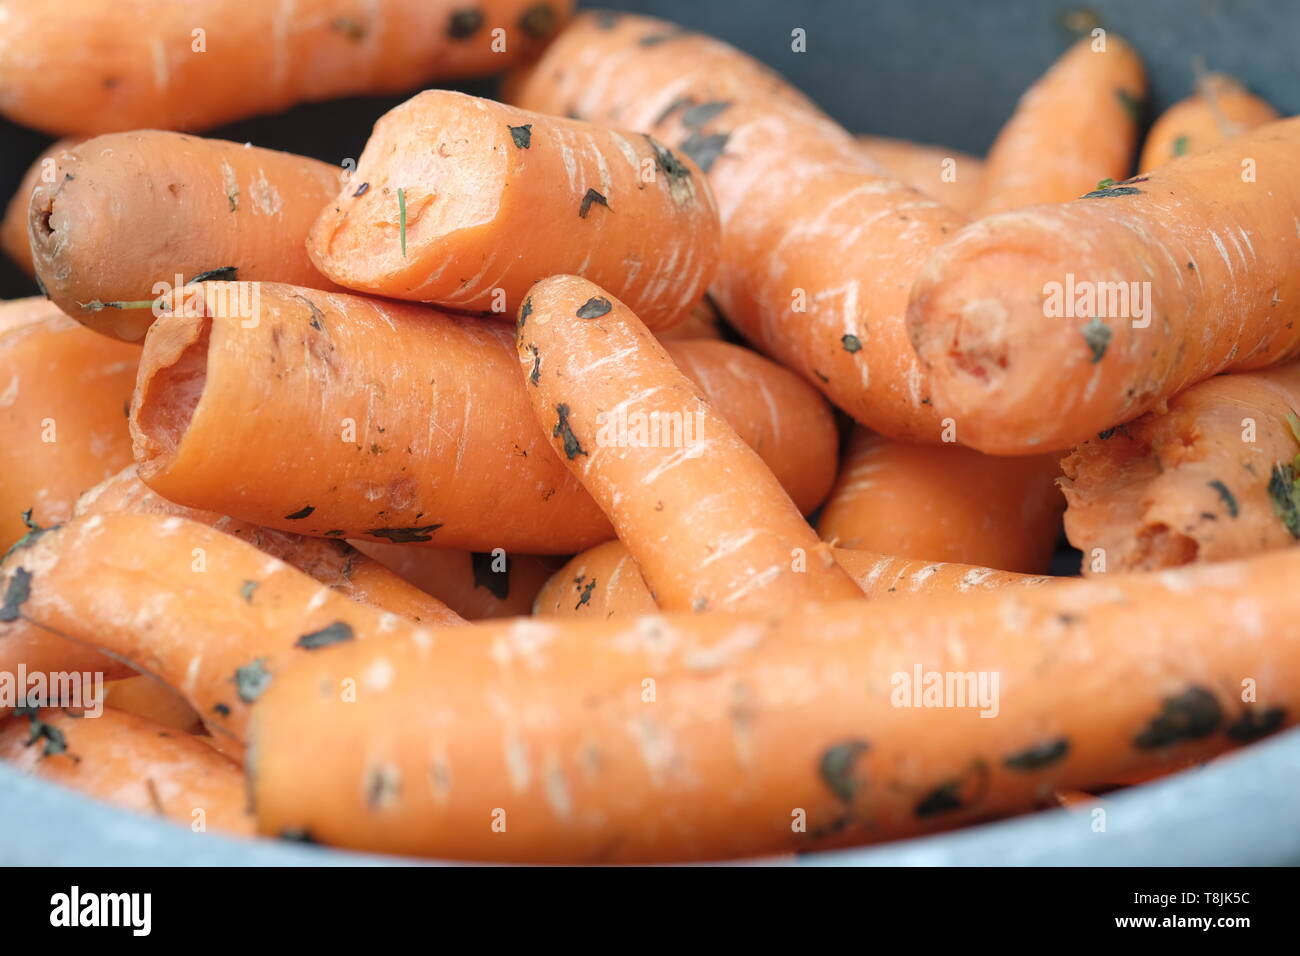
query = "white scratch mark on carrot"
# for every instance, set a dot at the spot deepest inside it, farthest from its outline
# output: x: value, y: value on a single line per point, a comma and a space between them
x: 517, y: 766
x: 379, y: 675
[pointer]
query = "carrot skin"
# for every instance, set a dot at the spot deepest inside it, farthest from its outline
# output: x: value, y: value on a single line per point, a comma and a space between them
x: 955, y: 504
x: 709, y: 524
x: 604, y: 581
x: 170, y: 205
x: 493, y: 198
x: 1021, y: 370
x: 819, y: 246
x: 1220, y: 109
x: 153, y: 700
x: 63, y: 398
x: 440, y: 448
x: 86, y: 67
x: 132, y: 763
x: 760, y: 722
x: 1075, y: 126
x: 1210, y: 479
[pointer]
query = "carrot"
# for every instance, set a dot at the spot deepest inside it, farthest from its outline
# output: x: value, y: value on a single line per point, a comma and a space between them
x: 82, y: 66
x: 1220, y: 109
x: 170, y: 205
x: 1195, y: 268
x: 469, y: 202
x: 13, y: 229
x: 153, y: 700
x: 709, y: 736
x: 708, y: 523
x: 63, y: 402
x: 948, y: 175
x: 476, y: 585
x: 206, y: 613
x: 132, y: 763
x: 1078, y: 124
x: 604, y: 581
x: 945, y: 503
x: 1212, y: 478
x: 702, y: 322
x: 334, y: 563
x: 419, y: 424
x: 777, y: 414
x: 819, y: 246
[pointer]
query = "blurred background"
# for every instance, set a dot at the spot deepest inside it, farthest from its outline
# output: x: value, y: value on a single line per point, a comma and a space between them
x: 937, y: 71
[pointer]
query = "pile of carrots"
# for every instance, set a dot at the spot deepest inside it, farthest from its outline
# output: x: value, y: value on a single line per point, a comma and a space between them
x: 573, y: 480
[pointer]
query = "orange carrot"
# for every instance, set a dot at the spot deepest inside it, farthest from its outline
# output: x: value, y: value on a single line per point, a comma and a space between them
x: 170, y: 205
x: 132, y: 763
x: 83, y: 66
x: 1212, y: 478
x: 13, y: 230
x: 708, y: 523
x: 63, y: 402
x: 206, y: 613
x: 604, y: 581
x: 419, y: 424
x: 1220, y: 109
x: 945, y: 503
x: 466, y: 203
x: 1195, y: 269
x: 1078, y: 124
x: 819, y: 246
x: 948, y: 175
x: 153, y: 700
x: 709, y: 736
x: 334, y: 563
x: 476, y: 585
x: 776, y: 413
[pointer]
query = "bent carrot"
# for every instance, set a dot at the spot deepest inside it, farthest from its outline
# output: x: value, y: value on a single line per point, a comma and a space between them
x: 710, y: 736
x: 1076, y: 125
x: 204, y: 612
x: 476, y: 585
x: 604, y: 581
x: 439, y: 447
x: 1210, y: 479
x: 170, y: 205
x: 63, y: 401
x: 1195, y: 268
x: 153, y: 700
x: 945, y: 503
x: 132, y: 763
x: 948, y: 175
x: 709, y: 524
x: 819, y: 247
x: 1220, y: 109
x: 81, y: 66
x: 13, y: 229
x: 332, y: 562
x: 466, y: 203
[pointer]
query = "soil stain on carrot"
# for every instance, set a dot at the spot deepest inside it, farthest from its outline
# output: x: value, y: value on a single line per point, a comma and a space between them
x: 464, y: 23
x: 1284, y: 493
x: 1256, y: 723
x: 302, y: 512
x: 55, y: 742
x: 1038, y: 756
x: 246, y: 590
x: 594, y: 308
x: 1229, y: 500
x: 335, y: 633
x: 1191, y: 715
x: 697, y: 116
x: 838, y: 765
x: 538, y: 21
x: 572, y: 447
x: 252, y: 680
x: 585, y: 597
x: 522, y: 135
x: 592, y: 197
x: 851, y: 343
x: 17, y: 592
x: 535, y: 375
x: 705, y: 150
x: 525, y: 311
x: 1097, y: 334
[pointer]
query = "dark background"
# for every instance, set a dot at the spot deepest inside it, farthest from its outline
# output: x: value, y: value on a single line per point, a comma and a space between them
x: 940, y: 71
